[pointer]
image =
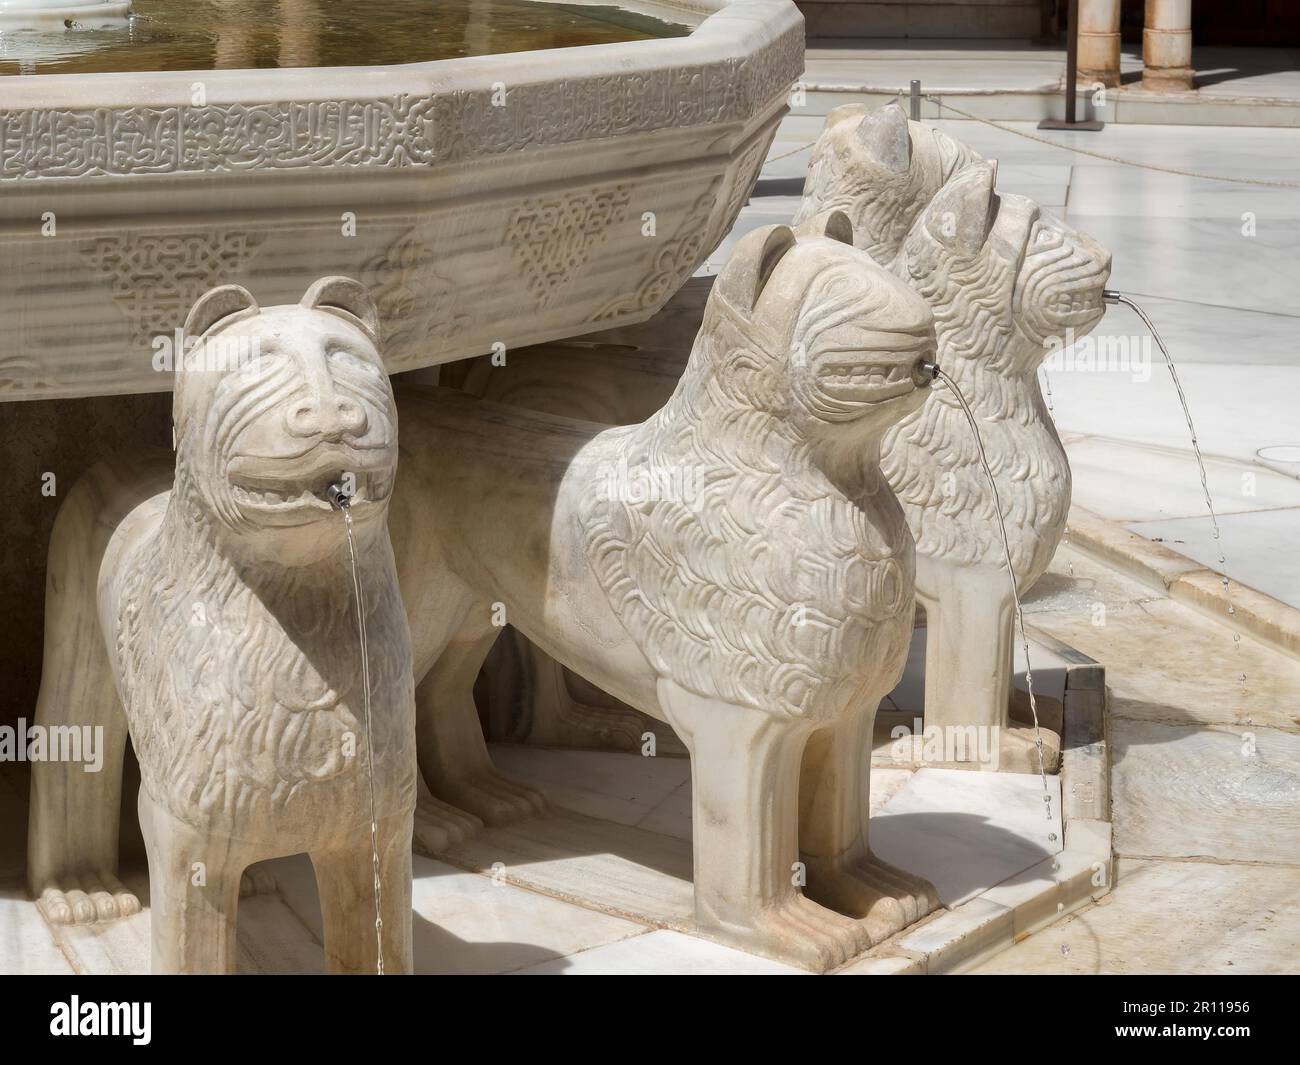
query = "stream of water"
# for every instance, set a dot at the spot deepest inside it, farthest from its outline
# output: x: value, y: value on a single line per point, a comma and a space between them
x: 1011, y: 576
x: 1113, y: 297
x: 340, y: 500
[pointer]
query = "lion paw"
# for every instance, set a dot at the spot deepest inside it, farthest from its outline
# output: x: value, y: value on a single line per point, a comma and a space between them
x: 798, y: 932
x: 885, y: 898
x: 91, y: 899
x: 439, y: 826
x: 493, y: 798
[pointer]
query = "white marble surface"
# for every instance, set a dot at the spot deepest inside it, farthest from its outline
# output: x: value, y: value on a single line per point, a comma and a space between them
x: 965, y: 831
x: 661, y: 953
x: 1260, y: 547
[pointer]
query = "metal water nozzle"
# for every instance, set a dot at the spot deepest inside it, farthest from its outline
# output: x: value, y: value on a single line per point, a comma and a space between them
x: 925, y: 368
x: 1111, y: 296
x: 337, y: 497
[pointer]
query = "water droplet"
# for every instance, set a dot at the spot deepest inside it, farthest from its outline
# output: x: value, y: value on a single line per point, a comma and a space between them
x: 1051, y: 837
x: 1065, y: 950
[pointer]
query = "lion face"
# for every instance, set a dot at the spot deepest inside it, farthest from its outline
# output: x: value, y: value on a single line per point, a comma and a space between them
x: 1061, y: 276
x: 1003, y: 276
x: 859, y: 340
x: 844, y: 338
x: 273, y: 407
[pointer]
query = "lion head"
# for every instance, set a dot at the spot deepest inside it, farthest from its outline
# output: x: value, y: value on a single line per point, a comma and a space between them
x: 881, y: 170
x: 275, y: 405
x: 819, y: 332
x: 1002, y: 276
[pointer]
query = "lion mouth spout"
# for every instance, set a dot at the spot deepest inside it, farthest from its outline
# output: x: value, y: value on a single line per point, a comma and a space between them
x: 271, y: 487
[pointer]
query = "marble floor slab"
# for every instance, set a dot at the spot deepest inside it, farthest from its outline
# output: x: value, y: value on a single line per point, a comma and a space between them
x: 1260, y: 547
x: 1173, y: 917
x: 966, y: 832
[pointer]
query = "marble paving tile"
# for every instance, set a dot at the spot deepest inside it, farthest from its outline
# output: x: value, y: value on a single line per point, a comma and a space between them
x: 1173, y: 917
x: 1184, y: 791
x: 965, y: 831
x: 1134, y: 484
x: 662, y: 952
x: 466, y: 923
x: 625, y: 788
x: 1259, y: 547
x: 1161, y: 255
x: 635, y: 873
x: 27, y: 948
x: 1167, y: 663
x: 1236, y: 412
x: 1123, y: 191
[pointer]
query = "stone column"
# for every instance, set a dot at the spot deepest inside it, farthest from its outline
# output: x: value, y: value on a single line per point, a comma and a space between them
x: 1167, y: 46
x: 1099, y: 41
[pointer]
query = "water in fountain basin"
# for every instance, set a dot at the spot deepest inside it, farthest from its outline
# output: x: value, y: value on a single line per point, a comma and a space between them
x: 241, y: 34
x: 1111, y: 296
x: 341, y: 501
x: 1011, y: 576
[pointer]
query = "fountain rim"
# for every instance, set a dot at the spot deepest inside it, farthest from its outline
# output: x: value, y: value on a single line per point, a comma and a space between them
x: 738, y: 64
x: 712, y: 36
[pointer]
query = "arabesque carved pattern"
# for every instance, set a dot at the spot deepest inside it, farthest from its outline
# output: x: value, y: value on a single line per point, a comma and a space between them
x: 395, y: 131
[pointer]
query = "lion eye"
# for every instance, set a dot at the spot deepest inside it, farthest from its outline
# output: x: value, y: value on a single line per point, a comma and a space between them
x: 340, y: 357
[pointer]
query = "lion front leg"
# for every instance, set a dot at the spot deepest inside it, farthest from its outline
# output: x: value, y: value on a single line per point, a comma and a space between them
x: 970, y: 619
x: 345, y: 877
x: 194, y: 879
x: 842, y: 872
x: 73, y: 820
x: 744, y: 825
x: 453, y: 755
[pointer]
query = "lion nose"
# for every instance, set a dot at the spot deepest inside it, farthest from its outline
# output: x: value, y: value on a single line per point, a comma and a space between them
x: 331, y: 416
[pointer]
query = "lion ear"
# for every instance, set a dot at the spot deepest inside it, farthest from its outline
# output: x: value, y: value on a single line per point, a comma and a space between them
x: 351, y: 299
x: 885, y: 136
x: 833, y: 224
x: 751, y: 265
x: 961, y: 213
x: 215, y: 305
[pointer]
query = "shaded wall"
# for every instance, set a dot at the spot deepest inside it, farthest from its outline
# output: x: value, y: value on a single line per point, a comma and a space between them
x: 62, y: 437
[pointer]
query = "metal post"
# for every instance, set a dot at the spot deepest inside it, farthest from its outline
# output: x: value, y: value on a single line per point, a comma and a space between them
x: 1071, y: 75
x: 916, y: 101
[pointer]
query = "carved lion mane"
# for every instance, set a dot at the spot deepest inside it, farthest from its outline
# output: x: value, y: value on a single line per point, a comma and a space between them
x: 237, y: 661
x: 783, y: 579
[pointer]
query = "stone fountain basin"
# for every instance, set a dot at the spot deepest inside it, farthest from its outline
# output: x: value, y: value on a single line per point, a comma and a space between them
x: 582, y: 202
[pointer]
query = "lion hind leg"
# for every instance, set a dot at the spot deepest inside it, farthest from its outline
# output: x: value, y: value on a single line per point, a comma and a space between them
x: 453, y: 754
x: 73, y: 819
x: 843, y: 874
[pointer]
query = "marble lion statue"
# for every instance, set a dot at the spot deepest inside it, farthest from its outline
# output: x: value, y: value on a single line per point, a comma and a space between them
x: 207, y: 605
x: 1006, y: 283
x: 735, y: 565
